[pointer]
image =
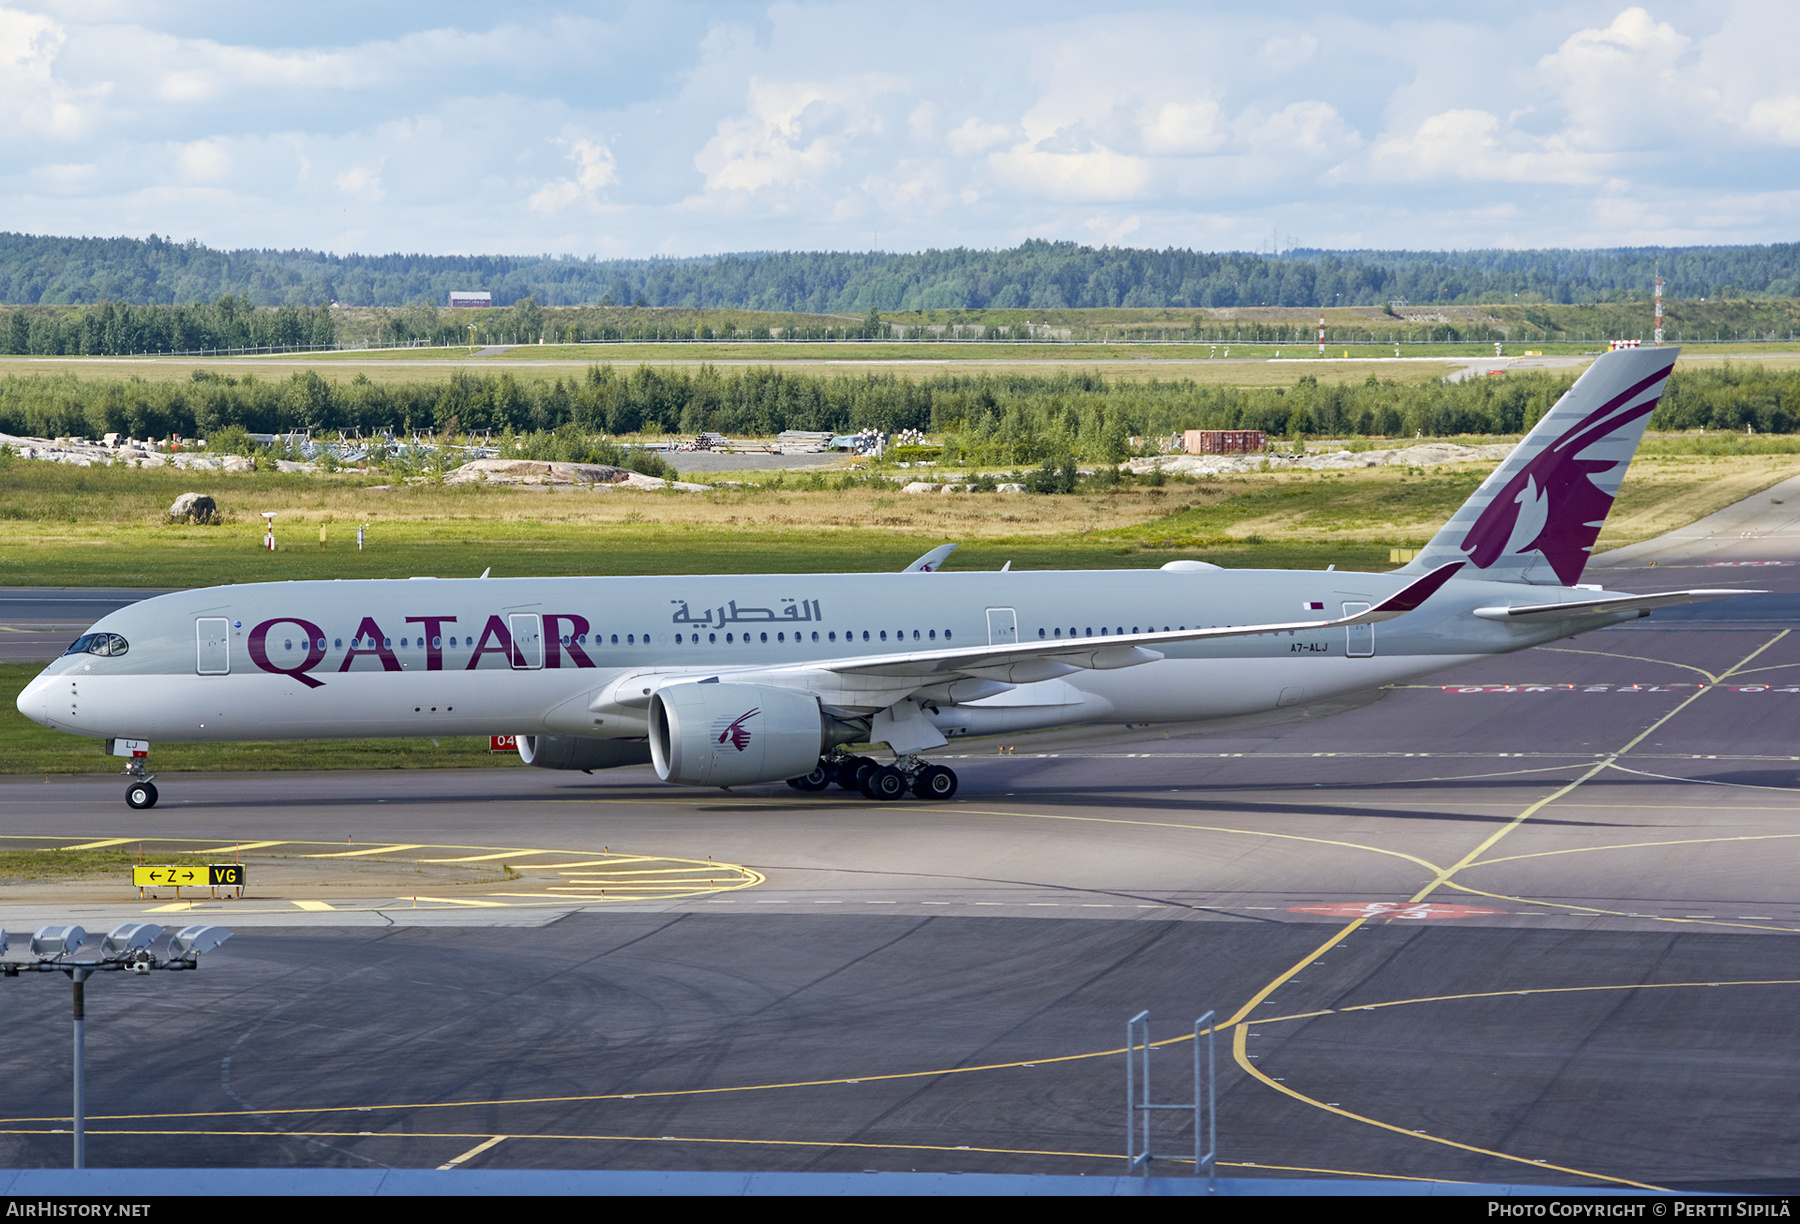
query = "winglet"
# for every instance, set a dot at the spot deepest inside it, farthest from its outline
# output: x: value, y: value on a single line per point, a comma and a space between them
x: 933, y: 560
x: 1409, y: 596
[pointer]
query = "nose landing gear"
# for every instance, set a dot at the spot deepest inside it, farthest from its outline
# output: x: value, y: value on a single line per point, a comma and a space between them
x: 141, y: 793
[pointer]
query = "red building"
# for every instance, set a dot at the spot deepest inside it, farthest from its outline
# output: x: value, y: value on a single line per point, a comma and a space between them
x: 1224, y: 441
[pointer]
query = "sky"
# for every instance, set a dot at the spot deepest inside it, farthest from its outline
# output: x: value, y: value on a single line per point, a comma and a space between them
x: 672, y: 128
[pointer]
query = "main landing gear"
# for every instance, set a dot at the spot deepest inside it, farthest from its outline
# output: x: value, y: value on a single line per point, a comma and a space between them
x: 877, y: 781
x: 141, y: 793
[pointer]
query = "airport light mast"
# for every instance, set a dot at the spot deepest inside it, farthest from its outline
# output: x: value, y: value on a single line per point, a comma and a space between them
x: 1659, y: 314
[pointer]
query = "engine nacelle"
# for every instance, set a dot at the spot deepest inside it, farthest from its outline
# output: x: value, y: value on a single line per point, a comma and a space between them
x: 734, y: 734
x: 569, y: 752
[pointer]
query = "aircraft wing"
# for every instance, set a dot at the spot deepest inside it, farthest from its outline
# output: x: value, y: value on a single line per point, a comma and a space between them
x: 1601, y: 607
x: 863, y: 680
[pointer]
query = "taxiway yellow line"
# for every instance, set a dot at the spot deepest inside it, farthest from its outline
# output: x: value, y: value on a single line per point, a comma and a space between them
x: 395, y: 849
x: 473, y: 1152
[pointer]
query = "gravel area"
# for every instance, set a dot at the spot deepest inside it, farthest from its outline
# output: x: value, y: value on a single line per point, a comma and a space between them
x: 715, y: 461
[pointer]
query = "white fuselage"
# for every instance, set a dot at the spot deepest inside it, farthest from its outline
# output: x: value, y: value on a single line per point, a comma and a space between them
x: 428, y: 657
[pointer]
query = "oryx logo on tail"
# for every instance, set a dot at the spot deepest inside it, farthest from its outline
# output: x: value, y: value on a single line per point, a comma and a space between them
x: 734, y: 732
x: 1543, y: 508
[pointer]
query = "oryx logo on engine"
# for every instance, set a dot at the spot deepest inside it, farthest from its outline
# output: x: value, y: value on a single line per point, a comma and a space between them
x: 733, y: 731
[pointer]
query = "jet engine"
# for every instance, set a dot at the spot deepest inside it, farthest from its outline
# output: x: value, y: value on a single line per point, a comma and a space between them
x: 569, y: 752
x: 710, y: 734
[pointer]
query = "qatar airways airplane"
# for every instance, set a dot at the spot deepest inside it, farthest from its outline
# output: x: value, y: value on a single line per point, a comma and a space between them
x: 733, y: 680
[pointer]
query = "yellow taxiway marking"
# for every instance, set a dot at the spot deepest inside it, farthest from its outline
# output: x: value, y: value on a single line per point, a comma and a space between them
x: 1174, y: 824
x: 1684, y: 919
x: 477, y: 1150
x: 1239, y: 1052
x: 485, y: 858
x: 1686, y: 841
x: 472, y: 1152
x: 1662, y: 777
x: 1443, y: 877
x: 641, y: 871
x: 393, y: 849
x: 1609, y: 654
x: 664, y: 876
x: 1238, y: 1023
x: 599, y: 862
x: 817, y: 1143
x: 315, y: 906
x: 1530, y: 990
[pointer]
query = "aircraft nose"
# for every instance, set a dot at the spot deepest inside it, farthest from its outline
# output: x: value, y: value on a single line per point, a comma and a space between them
x: 34, y: 700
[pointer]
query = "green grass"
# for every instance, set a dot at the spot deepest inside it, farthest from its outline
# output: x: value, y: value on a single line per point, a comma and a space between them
x: 1324, y: 503
x: 17, y: 865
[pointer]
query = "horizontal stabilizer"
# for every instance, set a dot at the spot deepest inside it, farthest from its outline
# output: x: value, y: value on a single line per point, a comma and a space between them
x: 1605, y: 606
x: 931, y: 561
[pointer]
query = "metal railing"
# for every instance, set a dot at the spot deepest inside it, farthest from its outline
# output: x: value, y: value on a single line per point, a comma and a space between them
x: 1139, y: 1106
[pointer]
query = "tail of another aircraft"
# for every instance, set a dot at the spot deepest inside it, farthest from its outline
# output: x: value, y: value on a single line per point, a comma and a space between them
x: 1535, y: 519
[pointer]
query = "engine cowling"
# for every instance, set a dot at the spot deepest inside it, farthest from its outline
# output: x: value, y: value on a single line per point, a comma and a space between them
x: 734, y: 734
x: 570, y: 752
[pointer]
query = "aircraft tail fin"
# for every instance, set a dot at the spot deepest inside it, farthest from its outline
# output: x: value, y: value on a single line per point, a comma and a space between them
x: 1535, y: 519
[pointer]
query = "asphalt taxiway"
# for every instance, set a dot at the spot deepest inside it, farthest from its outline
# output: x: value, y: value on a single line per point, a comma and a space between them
x: 1531, y: 920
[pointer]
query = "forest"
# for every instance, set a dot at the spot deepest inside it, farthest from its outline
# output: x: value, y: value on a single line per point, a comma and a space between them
x: 987, y: 417
x: 1037, y: 275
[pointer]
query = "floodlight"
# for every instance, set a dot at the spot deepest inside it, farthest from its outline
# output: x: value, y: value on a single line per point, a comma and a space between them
x: 53, y: 941
x: 127, y: 937
x: 189, y: 942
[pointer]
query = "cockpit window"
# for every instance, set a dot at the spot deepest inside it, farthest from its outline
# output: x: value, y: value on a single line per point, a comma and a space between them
x: 107, y: 644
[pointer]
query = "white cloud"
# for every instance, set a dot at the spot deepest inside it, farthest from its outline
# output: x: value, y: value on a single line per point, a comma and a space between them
x: 203, y: 161
x: 595, y: 170
x: 1092, y: 173
x: 35, y: 100
x: 974, y: 136
x: 1309, y: 128
x: 792, y: 132
x: 1776, y: 119
x: 1627, y: 84
x: 360, y: 181
x: 1468, y: 145
x: 1111, y: 230
x: 712, y: 126
x: 1185, y: 127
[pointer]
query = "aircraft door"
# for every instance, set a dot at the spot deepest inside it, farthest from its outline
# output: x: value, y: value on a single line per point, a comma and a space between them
x: 1360, y: 639
x: 212, y: 646
x: 527, y: 632
x: 1003, y: 627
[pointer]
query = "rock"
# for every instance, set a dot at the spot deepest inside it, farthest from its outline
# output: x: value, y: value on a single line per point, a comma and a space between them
x: 535, y: 471
x: 195, y: 507
x: 922, y: 486
x: 597, y: 476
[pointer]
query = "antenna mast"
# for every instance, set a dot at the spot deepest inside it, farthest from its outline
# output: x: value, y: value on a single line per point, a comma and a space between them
x: 1659, y: 314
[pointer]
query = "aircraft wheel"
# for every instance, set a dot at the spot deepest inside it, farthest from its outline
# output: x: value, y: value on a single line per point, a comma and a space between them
x: 821, y: 777
x: 850, y: 773
x: 935, y: 782
x: 885, y: 783
x: 141, y: 795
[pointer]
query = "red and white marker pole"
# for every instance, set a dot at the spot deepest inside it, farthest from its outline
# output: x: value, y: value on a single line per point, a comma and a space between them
x: 1321, y: 333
